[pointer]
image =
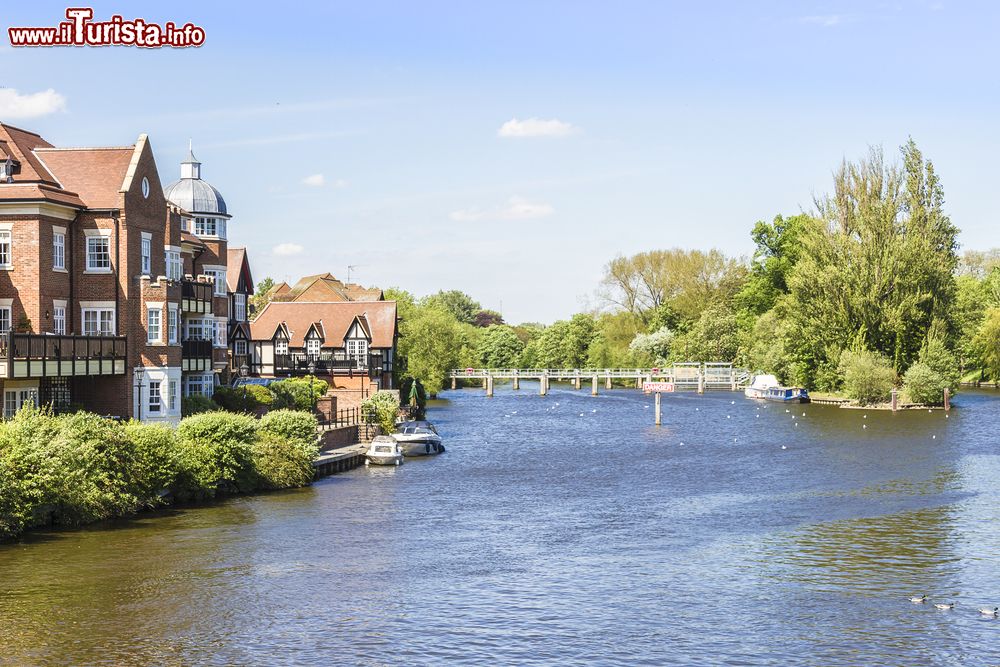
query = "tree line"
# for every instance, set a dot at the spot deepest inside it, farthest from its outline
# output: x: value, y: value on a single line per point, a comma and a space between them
x: 867, y: 288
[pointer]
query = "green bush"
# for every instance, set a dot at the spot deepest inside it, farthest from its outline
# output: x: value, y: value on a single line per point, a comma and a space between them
x: 281, y: 462
x: 158, y: 459
x: 248, y: 398
x: 218, y: 448
x: 197, y: 404
x: 381, y: 408
x: 867, y: 377
x: 258, y: 397
x: 937, y: 370
x: 297, y: 393
x: 297, y: 426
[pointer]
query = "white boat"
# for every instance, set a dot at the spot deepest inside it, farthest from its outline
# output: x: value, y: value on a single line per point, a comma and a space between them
x: 768, y: 388
x: 418, y: 438
x: 384, y: 451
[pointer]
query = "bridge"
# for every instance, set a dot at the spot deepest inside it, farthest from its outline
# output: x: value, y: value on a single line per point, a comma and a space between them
x: 689, y: 376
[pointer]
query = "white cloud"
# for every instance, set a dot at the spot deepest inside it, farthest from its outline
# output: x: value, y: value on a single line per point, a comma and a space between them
x: 339, y: 183
x: 517, y: 208
x: 314, y: 181
x: 15, y: 105
x: 287, y: 249
x: 536, y: 127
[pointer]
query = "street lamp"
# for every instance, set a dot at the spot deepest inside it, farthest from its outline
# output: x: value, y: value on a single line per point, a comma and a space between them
x: 241, y: 373
x: 312, y: 376
x: 137, y: 374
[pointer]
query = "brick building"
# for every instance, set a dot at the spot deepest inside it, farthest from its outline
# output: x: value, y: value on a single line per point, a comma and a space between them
x: 107, y: 289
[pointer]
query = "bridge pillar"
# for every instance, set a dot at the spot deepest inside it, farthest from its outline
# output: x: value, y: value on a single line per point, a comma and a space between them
x: 489, y: 385
x: 576, y: 383
x: 543, y: 385
x: 607, y: 384
x: 517, y: 381
x: 484, y: 382
x: 454, y: 383
x: 701, y: 383
x: 638, y: 382
x: 593, y: 390
x: 732, y: 378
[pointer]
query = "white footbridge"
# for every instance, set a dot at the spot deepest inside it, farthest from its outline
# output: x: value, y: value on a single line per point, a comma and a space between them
x: 691, y: 376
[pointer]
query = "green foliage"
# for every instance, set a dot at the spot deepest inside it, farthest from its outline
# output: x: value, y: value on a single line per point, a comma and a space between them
x: 219, y: 447
x: 296, y: 426
x: 248, y: 398
x: 499, y: 347
x: 717, y: 335
x: 197, y: 404
x: 460, y: 305
x: 261, y: 296
x: 297, y: 393
x: 431, y: 342
x: 382, y: 408
x: 778, y: 249
x: 280, y: 463
x: 158, y: 460
x: 868, y: 377
x: 654, y: 348
x: 412, y: 392
x: 987, y: 343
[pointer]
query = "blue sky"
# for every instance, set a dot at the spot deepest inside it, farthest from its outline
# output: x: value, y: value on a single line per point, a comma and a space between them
x: 378, y: 134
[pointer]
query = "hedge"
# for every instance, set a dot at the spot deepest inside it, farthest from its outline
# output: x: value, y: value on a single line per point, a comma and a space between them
x: 69, y: 470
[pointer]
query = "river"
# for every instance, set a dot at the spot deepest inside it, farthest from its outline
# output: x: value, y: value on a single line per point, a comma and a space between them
x: 559, y: 530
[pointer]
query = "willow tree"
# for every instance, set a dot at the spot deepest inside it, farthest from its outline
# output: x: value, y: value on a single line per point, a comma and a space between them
x: 876, y: 271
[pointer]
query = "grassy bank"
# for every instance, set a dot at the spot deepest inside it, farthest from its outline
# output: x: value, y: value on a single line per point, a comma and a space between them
x: 70, y: 470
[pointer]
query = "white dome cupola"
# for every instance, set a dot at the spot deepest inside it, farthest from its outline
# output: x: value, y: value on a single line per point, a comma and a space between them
x: 200, y: 199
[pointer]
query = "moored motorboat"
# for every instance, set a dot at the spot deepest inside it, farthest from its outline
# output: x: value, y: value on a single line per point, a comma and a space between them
x: 384, y: 451
x: 418, y: 438
x: 768, y: 388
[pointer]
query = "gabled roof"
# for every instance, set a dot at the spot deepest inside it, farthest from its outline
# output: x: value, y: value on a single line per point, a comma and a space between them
x: 335, y: 318
x: 19, y: 144
x: 96, y: 174
x: 238, y: 264
x: 324, y: 287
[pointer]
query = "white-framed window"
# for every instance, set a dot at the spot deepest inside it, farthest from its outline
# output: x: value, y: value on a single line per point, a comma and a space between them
x: 357, y: 349
x: 99, y: 254
x: 313, y: 346
x: 59, y: 320
x: 219, y: 333
x: 206, y: 226
x: 154, y: 324
x: 199, y: 384
x: 280, y: 346
x: 175, y: 268
x: 155, y: 400
x: 172, y: 323
x: 196, y: 328
x: 219, y: 277
x: 98, y: 321
x: 146, y: 251
x: 5, y: 317
x: 240, y: 347
x: 59, y: 251
x: 240, y: 307
x: 6, y: 243
x: 172, y: 395
x: 15, y: 399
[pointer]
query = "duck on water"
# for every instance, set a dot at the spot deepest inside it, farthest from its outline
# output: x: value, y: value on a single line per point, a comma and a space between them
x: 768, y: 388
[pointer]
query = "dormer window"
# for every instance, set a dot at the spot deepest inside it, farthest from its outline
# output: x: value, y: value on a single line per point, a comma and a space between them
x: 8, y: 168
x: 313, y: 345
x: 280, y: 346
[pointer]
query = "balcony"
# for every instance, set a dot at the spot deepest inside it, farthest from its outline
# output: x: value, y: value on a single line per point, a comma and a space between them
x: 331, y: 363
x: 45, y: 355
x: 196, y: 355
x: 196, y: 297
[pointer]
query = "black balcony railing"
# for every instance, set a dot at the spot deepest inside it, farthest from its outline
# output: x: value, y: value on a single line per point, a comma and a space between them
x: 196, y: 296
x: 196, y: 349
x: 331, y: 363
x: 50, y: 347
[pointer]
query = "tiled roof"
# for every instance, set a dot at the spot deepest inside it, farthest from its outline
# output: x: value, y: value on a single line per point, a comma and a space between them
x: 324, y: 287
x: 96, y: 174
x: 19, y: 144
x: 236, y: 258
x: 38, y: 192
x: 334, y: 318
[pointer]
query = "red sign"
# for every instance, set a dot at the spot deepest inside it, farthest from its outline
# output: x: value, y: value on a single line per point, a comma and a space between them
x: 657, y: 387
x: 469, y: 371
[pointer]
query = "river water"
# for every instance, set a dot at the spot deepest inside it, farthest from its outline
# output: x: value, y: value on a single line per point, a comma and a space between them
x: 560, y: 530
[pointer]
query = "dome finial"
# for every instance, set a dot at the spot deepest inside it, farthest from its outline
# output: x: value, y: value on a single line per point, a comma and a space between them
x: 190, y: 167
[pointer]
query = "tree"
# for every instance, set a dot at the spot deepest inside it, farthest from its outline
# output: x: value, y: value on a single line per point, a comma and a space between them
x: 987, y: 343
x: 868, y: 376
x: 433, y: 346
x: 462, y: 306
x: 877, y: 272
x: 654, y: 347
x: 500, y: 347
x: 716, y: 336
x: 262, y: 295
x: 778, y: 250
x: 487, y: 318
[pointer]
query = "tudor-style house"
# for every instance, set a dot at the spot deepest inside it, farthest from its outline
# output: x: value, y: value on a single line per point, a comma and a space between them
x: 240, y: 282
x: 350, y: 344
x: 112, y: 297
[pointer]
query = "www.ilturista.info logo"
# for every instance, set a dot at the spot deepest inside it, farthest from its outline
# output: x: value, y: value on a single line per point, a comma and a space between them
x: 80, y: 30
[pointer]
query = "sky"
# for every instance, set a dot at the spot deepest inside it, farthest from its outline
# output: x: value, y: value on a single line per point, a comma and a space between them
x: 512, y: 149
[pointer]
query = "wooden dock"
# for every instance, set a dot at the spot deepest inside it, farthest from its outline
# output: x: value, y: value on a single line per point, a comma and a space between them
x: 340, y: 460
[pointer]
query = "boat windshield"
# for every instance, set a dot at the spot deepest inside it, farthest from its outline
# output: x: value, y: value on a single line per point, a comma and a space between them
x: 414, y: 430
x: 383, y: 449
